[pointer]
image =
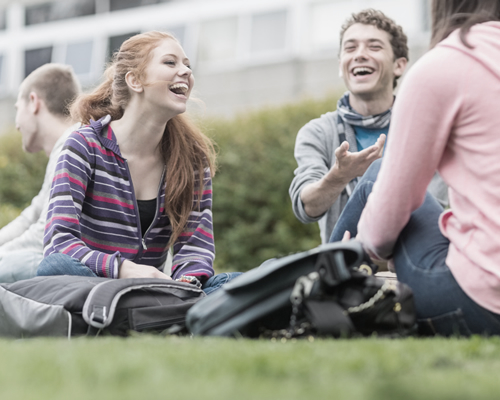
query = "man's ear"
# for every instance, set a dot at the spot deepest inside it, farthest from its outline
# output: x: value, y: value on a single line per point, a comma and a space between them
x: 133, y: 83
x: 400, y: 66
x: 34, y: 103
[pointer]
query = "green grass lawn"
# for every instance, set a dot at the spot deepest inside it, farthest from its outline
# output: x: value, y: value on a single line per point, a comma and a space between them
x: 154, y: 367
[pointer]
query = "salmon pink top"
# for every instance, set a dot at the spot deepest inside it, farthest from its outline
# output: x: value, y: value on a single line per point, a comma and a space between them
x: 447, y: 117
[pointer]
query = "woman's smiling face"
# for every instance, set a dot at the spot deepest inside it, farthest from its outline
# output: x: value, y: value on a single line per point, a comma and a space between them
x: 168, y: 77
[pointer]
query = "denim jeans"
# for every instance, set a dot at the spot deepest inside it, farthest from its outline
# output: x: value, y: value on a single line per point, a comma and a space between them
x: 62, y: 264
x: 420, y: 260
x: 216, y: 281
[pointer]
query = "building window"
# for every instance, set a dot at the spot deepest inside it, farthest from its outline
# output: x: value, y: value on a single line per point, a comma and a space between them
x: 218, y: 40
x: 79, y: 56
x: 326, y: 20
x: 57, y: 10
x: 1, y: 72
x: 38, y: 14
x: 3, y: 19
x: 268, y: 31
x: 36, y: 58
x: 116, y: 5
x: 115, y: 42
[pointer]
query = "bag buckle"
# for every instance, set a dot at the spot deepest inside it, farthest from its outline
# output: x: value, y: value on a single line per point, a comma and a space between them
x: 98, y: 316
x: 332, y: 268
x: 302, y: 288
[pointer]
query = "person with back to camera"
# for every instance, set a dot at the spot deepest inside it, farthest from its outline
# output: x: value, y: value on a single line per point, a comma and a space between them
x: 446, y: 117
x: 335, y: 149
x: 137, y: 179
x: 42, y: 118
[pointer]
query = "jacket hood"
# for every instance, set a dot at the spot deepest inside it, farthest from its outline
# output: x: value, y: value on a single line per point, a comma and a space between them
x: 485, y: 41
x: 106, y: 135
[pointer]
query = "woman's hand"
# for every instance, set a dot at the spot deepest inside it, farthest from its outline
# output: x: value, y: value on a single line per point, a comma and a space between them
x: 130, y: 269
x: 383, y: 265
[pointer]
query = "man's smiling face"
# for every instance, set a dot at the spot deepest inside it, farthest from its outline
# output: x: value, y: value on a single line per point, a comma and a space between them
x: 367, y: 61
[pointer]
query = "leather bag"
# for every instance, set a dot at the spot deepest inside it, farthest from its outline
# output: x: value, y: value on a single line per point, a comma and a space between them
x: 327, y: 291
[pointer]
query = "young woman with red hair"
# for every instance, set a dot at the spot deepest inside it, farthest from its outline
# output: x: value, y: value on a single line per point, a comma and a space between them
x: 136, y: 179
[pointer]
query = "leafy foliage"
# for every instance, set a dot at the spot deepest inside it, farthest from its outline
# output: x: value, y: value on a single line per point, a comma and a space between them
x: 253, y: 217
x: 8, y: 213
x: 21, y: 174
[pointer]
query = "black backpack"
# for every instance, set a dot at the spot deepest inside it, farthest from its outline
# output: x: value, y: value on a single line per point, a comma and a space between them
x: 326, y: 291
x: 76, y: 305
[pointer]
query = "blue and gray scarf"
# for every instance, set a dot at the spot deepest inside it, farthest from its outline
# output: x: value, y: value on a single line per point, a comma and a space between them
x: 347, y: 118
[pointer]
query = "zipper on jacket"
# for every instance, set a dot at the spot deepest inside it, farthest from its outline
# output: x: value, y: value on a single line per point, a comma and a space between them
x: 137, y: 217
x: 158, y: 205
x: 142, y: 239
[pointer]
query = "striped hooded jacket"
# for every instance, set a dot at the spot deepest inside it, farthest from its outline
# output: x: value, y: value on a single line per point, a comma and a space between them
x: 93, y: 214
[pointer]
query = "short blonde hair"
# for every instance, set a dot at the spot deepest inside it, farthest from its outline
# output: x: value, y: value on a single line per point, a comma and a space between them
x: 56, y: 84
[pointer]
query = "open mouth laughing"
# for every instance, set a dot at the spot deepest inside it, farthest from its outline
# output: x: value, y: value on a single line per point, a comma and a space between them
x: 362, y: 71
x: 179, y: 88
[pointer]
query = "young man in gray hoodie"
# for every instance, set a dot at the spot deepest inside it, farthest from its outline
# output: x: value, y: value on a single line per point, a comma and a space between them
x: 42, y: 118
x: 334, y: 150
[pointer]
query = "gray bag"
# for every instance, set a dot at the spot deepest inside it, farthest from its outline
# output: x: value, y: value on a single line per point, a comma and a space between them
x: 77, y: 305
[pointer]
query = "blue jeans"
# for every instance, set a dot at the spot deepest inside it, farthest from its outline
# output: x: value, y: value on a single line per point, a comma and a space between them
x: 62, y: 264
x: 420, y: 260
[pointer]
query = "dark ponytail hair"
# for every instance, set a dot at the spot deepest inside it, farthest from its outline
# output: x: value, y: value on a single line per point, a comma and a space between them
x: 449, y: 15
x: 186, y: 151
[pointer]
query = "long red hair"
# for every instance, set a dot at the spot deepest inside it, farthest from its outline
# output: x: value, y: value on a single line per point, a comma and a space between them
x: 186, y: 151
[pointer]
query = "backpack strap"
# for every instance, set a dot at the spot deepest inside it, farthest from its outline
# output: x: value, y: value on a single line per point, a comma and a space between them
x: 332, y: 268
x: 100, y: 306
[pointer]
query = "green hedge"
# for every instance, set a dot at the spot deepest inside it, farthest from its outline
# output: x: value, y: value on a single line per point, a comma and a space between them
x: 253, y: 218
x: 21, y: 175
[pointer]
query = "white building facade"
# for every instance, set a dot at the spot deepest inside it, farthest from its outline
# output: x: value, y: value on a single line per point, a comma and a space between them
x: 245, y: 54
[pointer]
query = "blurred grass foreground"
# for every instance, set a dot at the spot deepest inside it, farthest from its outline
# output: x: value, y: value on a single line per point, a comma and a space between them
x: 153, y: 367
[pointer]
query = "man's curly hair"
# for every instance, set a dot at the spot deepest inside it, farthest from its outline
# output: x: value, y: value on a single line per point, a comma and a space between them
x: 399, y: 41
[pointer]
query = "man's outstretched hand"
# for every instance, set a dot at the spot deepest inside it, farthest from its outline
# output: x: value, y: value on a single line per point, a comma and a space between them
x: 351, y: 165
x: 319, y: 196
